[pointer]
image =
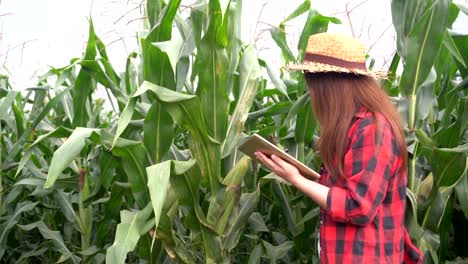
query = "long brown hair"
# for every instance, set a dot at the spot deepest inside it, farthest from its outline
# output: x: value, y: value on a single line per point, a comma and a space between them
x: 335, y: 99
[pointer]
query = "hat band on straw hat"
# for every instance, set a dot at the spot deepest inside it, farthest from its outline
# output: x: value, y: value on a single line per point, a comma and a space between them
x: 334, y: 61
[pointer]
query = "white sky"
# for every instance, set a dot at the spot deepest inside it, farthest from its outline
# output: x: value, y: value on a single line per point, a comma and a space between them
x: 38, y: 33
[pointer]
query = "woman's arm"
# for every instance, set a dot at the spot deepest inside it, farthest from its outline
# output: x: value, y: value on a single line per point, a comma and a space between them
x: 314, y: 190
x: 368, y: 166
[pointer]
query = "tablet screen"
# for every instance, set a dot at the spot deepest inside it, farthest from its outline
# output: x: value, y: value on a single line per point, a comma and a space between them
x: 257, y: 143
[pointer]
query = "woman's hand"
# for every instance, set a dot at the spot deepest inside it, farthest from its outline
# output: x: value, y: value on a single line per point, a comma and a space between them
x: 314, y: 190
x: 280, y: 167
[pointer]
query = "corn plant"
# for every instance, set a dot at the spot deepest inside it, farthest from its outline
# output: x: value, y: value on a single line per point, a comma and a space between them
x: 285, y: 226
x: 168, y: 163
x: 434, y: 105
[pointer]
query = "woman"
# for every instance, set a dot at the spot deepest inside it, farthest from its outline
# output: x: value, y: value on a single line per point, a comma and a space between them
x: 362, y: 188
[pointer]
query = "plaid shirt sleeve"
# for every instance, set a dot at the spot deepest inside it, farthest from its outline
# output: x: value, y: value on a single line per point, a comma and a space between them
x: 367, y: 171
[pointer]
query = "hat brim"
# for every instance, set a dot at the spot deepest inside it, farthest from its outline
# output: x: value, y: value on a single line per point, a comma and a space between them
x: 321, y: 67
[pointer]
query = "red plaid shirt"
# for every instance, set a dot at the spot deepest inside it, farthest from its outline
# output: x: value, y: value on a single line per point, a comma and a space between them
x: 364, y: 219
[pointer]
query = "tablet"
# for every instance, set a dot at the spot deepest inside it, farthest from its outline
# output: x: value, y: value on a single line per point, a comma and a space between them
x: 257, y: 143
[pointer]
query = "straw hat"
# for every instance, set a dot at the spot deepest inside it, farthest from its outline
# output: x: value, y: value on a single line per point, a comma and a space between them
x: 328, y: 52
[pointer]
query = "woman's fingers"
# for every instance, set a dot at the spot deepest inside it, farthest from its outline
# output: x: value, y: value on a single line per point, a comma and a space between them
x: 278, y: 166
x: 262, y: 158
x: 278, y: 160
x: 266, y: 161
x: 283, y: 164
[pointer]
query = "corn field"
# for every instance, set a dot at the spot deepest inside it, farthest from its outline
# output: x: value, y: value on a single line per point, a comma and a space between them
x: 158, y: 178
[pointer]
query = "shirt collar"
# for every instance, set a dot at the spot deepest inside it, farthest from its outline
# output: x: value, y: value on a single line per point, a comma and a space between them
x: 361, y: 112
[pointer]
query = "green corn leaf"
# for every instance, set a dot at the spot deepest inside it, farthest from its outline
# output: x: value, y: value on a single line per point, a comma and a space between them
x: 19, y: 143
x: 186, y: 112
x: 124, y: 118
x: 452, y: 47
x: 305, y: 125
x: 425, y: 95
x: 235, y: 40
x: 94, y: 70
x: 286, y: 207
x: 275, y: 79
x: 279, y: 36
x: 461, y: 41
x: 158, y: 132
x: 107, y: 165
x: 301, y: 9
x: 218, y: 22
x: 110, y: 212
x: 11, y: 220
x: 171, y: 49
x: 60, y: 132
x: 186, y: 187
x: 109, y: 70
x: 158, y: 183
x: 460, y: 149
x: 405, y: 16
x: 156, y: 62
x: 56, y: 239
x: 315, y: 23
x: 64, y: 201
x: 18, y: 111
x: 250, y: 73
x: 448, y: 167
x: 257, y: 223
x: 436, y: 210
x: 153, y: 9
x: 127, y: 235
x: 277, y: 252
x: 130, y: 74
x: 23, y: 161
x: 248, y: 203
x: 461, y: 190
x: 453, y: 132
x: 256, y: 255
x: 213, y: 62
x: 34, y: 253
x: 389, y: 82
x: 197, y: 17
x: 272, y: 110
x: 134, y: 160
x: 6, y: 102
x: 157, y: 66
x: 66, y: 153
x: 293, y: 110
x: 425, y: 38
x: 424, y: 139
x: 212, y: 245
x: 163, y: 30
x: 224, y: 5
x: 84, y: 84
x: 231, y: 197
x: 309, y: 216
